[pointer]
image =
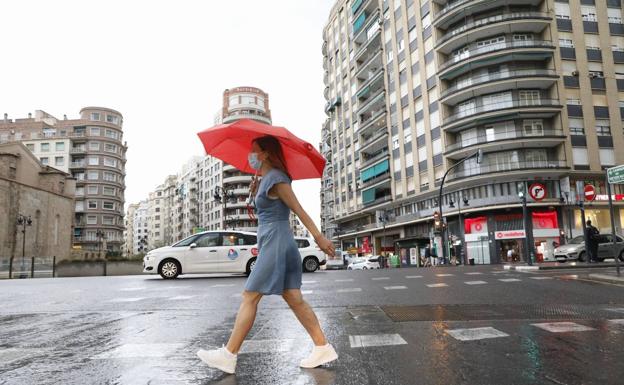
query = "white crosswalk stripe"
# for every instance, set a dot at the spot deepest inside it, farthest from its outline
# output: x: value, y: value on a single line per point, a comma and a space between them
x: 540, y: 278
x: 562, y: 327
x: 413, y: 276
x: 380, y: 278
x: 126, y: 299
x: 445, y: 275
x: 474, y: 273
x: 437, y: 285
x: 350, y: 290
x: 509, y: 279
x: 475, y: 282
x: 395, y: 287
x: 344, y: 280
x: 364, y: 341
x: 475, y: 333
x: 307, y: 291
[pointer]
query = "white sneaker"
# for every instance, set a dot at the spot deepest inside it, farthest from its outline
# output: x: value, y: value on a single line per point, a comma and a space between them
x: 220, y: 359
x: 320, y: 355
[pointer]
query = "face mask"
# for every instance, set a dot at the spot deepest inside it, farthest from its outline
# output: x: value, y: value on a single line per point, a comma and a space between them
x: 254, y: 162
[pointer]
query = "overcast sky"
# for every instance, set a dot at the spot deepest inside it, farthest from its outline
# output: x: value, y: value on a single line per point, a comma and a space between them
x: 164, y: 66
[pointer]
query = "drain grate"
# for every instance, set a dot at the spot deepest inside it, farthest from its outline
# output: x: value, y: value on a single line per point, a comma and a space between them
x: 494, y: 312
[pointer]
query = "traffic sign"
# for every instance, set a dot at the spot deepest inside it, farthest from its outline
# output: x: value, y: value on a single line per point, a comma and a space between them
x: 537, y: 191
x: 616, y: 174
x: 589, y: 192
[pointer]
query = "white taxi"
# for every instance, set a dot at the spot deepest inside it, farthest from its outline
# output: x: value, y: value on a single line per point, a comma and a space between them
x: 205, y: 252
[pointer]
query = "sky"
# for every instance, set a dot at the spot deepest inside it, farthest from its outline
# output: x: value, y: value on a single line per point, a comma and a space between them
x: 164, y: 66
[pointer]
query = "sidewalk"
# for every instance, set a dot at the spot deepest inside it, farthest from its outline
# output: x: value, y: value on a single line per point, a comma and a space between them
x: 559, y: 266
x: 609, y: 277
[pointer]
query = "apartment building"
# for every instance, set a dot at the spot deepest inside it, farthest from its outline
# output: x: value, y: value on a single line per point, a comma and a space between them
x: 92, y: 150
x: 416, y: 88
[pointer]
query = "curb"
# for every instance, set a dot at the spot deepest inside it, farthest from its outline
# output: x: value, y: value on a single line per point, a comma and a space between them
x: 559, y: 267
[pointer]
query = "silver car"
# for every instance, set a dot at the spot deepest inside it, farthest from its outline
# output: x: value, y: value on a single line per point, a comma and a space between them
x: 575, y: 249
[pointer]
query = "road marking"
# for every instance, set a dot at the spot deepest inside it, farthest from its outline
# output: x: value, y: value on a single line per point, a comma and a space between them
x: 445, y: 275
x: 475, y: 282
x: 413, y: 276
x: 437, y: 285
x: 619, y: 322
x: 181, y: 297
x: 475, y: 333
x: 308, y: 281
x: 365, y: 341
x: 174, y: 287
x: 509, y: 279
x: 264, y: 346
x: 380, y: 278
x: 568, y: 276
x: 563, y: 327
x: 500, y: 272
x: 344, y: 280
x: 131, y: 288
x: 395, y: 287
x: 139, y: 351
x: 307, y: 291
x: 126, y: 299
x: 350, y: 290
x: 474, y: 273
x: 237, y: 295
x: 615, y: 309
x: 223, y: 285
x: 540, y: 277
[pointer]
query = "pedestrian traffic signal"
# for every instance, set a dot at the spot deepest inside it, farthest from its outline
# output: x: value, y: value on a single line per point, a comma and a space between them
x: 437, y: 223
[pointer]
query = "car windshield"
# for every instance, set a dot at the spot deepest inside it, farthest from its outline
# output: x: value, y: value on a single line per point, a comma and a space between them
x: 186, y: 241
x: 577, y: 240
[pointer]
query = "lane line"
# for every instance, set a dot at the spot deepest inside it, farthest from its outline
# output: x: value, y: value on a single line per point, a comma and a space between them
x: 475, y: 282
x: 473, y: 334
x: 562, y: 327
x: 364, y: 341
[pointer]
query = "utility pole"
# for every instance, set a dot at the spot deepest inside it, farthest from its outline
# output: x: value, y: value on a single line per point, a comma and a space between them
x: 23, y: 221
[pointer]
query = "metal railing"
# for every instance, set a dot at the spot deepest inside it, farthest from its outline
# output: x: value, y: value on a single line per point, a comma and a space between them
x: 502, y: 105
x: 29, y: 267
x: 490, y: 77
x: 373, y: 138
x: 477, y: 51
x: 499, y: 136
x: 485, y: 168
x: 491, y: 20
x: 375, y: 158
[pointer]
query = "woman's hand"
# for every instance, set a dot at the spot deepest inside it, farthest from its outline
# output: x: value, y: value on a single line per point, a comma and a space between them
x: 326, y: 245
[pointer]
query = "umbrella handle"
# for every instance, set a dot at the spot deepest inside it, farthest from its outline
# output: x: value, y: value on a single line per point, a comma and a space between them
x: 250, y: 199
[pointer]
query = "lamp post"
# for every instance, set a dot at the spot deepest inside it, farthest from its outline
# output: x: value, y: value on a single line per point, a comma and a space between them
x: 383, y: 218
x: 23, y: 221
x: 100, y: 237
x: 461, y: 225
x: 221, y: 195
x: 479, y: 155
x: 528, y: 228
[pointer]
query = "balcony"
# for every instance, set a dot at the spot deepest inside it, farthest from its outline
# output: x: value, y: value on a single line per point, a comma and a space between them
x: 376, y: 180
x: 524, y: 22
x: 488, y: 112
x: 78, y: 165
x: 361, y: 34
x: 475, y: 56
x: 505, y: 141
x: 507, y: 167
x: 237, y: 179
x: 367, y: 63
x: 375, y: 102
x: 78, y: 150
x: 376, y: 157
x: 371, y: 84
x: 457, y: 10
x: 369, y: 144
x: 371, y: 45
x: 496, y: 82
x: 377, y: 201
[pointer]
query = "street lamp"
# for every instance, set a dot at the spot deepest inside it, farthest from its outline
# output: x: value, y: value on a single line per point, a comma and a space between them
x: 222, y: 195
x: 528, y: 228
x: 383, y: 218
x: 479, y: 155
x: 461, y: 225
x: 100, y: 235
x: 23, y: 221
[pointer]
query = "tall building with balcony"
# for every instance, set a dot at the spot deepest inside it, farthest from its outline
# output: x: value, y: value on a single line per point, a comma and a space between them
x: 92, y: 149
x: 238, y: 103
x: 415, y: 88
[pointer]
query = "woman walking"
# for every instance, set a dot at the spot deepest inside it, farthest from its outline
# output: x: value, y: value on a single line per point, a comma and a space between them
x: 278, y: 268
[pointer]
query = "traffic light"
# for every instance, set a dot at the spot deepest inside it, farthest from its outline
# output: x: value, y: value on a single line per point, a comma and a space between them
x: 437, y: 223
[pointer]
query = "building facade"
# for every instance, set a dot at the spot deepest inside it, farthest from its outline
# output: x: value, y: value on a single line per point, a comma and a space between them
x: 41, y: 193
x: 128, y: 234
x: 416, y: 88
x: 92, y: 149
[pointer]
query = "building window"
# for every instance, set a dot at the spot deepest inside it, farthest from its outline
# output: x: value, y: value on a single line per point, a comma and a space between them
x: 95, y: 116
x: 533, y: 127
x: 31, y: 147
x: 94, y: 146
x: 607, y: 157
x: 93, y: 175
x: 91, y: 220
x: 60, y: 146
x: 59, y: 161
x: 110, y: 148
x: 45, y: 147
x: 108, y: 191
x: 108, y: 206
x: 92, y: 204
x: 579, y: 155
x: 567, y: 43
x: 108, y: 220
x: 110, y: 162
x: 93, y: 190
x: 603, y: 128
x: 112, y: 119
x: 95, y: 131
x: 45, y: 160
x: 94, y: 161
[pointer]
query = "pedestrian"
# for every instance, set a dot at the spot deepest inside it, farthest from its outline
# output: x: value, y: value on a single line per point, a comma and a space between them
x: 592, y: 242
x: 510, y: 254
x: 380, y: 260
x: 278, y: 267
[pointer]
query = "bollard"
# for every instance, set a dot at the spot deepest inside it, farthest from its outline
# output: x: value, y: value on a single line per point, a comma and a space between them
x: 104, y: 267
x: 32, y: 267
x: 53, y: 266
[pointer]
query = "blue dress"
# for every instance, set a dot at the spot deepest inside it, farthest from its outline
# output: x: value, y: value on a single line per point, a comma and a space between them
x: 279, y: 262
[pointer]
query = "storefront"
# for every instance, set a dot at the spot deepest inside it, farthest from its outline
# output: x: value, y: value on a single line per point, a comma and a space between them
x: 477, y: 240
x: 411, y: 250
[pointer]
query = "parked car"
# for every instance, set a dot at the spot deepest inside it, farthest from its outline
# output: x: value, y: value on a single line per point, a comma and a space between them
x: 339, y: 261
x: 311, y: 255
x: 575, y: 249
x: 364, y: 263
x: 205, y: 252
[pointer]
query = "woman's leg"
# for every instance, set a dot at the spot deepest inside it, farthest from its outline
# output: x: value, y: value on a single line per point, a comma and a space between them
x: 305, y: 315
x: 244, y: 320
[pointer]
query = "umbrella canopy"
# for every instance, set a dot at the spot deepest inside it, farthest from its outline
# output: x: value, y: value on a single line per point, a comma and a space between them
x: 232, y: 143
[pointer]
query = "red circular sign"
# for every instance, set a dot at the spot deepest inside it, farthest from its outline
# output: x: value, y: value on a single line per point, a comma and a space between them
x: 537, y: 191
x: 590, y: 192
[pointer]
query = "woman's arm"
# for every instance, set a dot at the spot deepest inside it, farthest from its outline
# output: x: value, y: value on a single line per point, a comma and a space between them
x: 285, y: 192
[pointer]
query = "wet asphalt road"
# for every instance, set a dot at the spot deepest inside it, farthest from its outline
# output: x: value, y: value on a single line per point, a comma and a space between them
x: 454, y: 325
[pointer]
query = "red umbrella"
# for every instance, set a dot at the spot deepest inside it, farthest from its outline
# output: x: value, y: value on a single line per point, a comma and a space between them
x: 232, y: 143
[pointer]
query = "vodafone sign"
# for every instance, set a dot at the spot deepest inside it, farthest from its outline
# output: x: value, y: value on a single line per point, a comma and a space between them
x: 512, y: 234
